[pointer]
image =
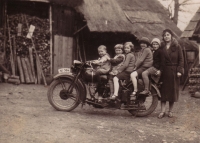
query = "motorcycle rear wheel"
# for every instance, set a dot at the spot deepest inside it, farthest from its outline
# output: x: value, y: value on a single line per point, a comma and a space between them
x: 60, y: 99
x: 151, y: 103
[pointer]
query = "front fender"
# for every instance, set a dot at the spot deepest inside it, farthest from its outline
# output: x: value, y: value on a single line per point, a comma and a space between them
x: 81, y: 85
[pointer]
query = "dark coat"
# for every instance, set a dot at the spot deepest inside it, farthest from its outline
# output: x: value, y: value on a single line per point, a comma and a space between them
x: 173, y: 63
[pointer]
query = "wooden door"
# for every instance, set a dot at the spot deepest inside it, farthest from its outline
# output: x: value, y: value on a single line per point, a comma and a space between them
x: 62, y: 29
x: 63, y: 52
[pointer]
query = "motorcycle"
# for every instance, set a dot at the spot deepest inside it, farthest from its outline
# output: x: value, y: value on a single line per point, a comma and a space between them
x: 69, y: 88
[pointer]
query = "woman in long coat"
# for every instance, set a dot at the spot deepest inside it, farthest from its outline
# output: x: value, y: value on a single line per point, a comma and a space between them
x: 172, y: 71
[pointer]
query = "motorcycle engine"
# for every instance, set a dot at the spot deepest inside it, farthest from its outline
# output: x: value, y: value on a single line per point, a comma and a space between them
x: 90, y: 75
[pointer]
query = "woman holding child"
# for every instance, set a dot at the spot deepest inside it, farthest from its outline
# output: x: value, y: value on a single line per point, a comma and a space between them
x: 172, y: 71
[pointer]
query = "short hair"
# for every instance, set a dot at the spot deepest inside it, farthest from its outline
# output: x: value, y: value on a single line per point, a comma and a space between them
x: 130, y: 44
x: 119, y: 46
x: 102, y: 47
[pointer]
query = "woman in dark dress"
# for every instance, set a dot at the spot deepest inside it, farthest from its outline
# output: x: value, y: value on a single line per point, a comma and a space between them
x: 172, y: 71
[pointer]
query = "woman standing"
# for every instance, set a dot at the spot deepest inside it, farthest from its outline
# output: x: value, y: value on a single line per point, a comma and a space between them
x: 172, y: 71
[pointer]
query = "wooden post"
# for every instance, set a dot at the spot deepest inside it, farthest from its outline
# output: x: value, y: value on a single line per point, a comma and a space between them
x: 26, y: 75
x: 199, y: 53
x: 5, y: 17
x: 29, y: 70
x: 39, y: 72
x: 51, y: 40
x: 14, y: 54
x: 32, y: 63
x: 21, y: 73
x: 11, y: 51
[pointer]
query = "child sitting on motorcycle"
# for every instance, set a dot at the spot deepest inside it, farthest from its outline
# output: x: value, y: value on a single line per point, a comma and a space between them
x: 103, y: 67
x: 156, y: 69
x: 143, y: 62
x: 116, y: 63
x: 123, y: 73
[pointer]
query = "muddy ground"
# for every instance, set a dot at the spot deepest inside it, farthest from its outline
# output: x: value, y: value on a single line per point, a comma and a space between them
x: 27, y: 117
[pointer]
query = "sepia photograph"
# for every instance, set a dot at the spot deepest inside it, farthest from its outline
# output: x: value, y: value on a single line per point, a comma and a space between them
x: 100, y: 71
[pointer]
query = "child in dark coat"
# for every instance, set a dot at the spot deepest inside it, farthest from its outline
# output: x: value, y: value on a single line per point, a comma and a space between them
x: 157, y: 68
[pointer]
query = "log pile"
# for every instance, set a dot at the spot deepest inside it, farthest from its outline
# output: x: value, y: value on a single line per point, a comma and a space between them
x: 28, y: 47
x: 194, y: 80
x: 41, y: 37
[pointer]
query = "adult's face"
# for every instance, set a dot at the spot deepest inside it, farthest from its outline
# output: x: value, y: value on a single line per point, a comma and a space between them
x: 167, y: 37
x: 143, y: 45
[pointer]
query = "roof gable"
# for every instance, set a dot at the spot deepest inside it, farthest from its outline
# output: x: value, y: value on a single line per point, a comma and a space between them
x: 192, y: 27
x: 139, y: 17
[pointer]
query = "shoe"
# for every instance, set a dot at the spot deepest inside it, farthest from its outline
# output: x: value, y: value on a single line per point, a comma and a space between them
x: 133, y: 95
x: 100, y: 98
x: 161, y: 115
x: 123, y: 106
x: 170, y: 114
x: 113, y: 97
x: 145, y: 92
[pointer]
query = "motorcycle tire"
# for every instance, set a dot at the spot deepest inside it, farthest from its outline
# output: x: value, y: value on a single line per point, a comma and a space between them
x: 62, y: 96
x: 152, y: 107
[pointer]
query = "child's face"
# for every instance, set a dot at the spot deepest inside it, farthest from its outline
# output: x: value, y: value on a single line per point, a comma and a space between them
x: 155, y: 45
x: 101, y: 52
x: 127, y: 49
x: 118, y: 51
x: 143, y: 45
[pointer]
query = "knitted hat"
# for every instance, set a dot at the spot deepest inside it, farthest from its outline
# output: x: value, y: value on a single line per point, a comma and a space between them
x: 144, y: 40
x: 156, y: 40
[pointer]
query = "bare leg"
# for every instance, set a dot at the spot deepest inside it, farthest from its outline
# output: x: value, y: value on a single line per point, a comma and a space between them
x: 145, y: 78
x: 134, y: 80
x: 171, y: 105
x: 116, y: 86
x: 163, y: 107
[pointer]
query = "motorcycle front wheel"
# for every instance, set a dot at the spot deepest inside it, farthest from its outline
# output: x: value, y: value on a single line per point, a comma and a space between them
x: 150, y: 102
x: 60, y: 98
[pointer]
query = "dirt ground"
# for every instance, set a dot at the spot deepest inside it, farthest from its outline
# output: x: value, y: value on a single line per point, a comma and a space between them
x: 27, y: 117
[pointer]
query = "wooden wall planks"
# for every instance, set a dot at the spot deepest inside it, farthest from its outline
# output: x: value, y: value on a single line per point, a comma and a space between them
x: 63, y: 52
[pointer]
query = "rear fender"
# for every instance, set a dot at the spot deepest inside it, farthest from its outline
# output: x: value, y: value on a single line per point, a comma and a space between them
x: 154, y: 86
x: 81, y: 85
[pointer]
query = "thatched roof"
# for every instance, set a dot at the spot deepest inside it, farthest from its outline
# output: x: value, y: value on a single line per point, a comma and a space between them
x: 193, y: 27
x: 139, y: 17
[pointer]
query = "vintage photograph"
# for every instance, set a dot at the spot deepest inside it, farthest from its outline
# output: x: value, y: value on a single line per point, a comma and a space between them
x: 100, y: 71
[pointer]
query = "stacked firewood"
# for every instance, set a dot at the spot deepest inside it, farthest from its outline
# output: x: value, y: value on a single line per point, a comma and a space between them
x: 194, y: 80
x: 29, y: 38
x: 40, y: 36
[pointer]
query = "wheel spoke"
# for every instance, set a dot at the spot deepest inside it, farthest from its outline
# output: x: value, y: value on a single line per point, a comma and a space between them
x: 61, y: 99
